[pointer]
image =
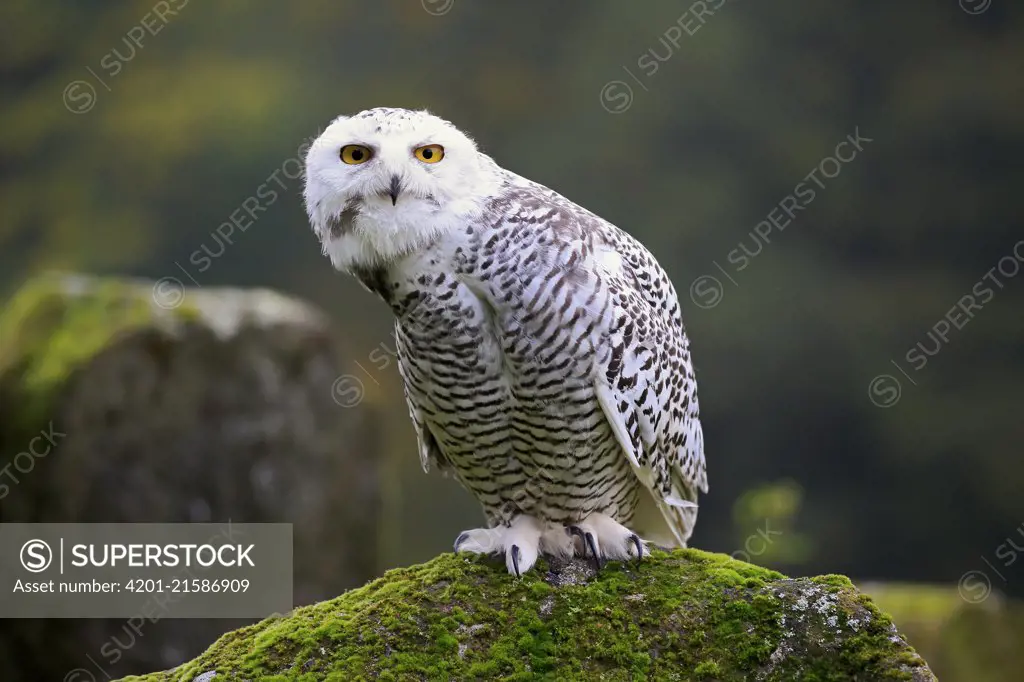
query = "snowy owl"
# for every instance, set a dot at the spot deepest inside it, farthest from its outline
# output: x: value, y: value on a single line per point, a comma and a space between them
x: 541, y: 348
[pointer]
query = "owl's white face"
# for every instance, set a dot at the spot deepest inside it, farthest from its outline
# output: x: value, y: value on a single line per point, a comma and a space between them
x: 387, y: 182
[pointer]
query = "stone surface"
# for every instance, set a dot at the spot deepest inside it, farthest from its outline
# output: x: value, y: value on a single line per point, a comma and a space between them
x: 165, y: 405
x: 686, y: 615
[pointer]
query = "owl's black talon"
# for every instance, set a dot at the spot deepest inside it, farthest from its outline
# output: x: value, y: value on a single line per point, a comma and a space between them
x: 515, y: 560
x: 459, y: 540
x: 639, y: 547
x: 598, y: 562
x: 578, y: 532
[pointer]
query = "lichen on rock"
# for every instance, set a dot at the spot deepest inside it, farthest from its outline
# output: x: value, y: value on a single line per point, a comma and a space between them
x: 684, y: 615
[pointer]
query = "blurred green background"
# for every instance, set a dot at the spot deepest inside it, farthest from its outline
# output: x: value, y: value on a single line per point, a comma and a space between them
x: 830, y: 446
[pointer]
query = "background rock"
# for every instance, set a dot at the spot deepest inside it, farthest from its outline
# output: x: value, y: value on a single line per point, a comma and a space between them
x: 688, y: 615
x: 171, y: 405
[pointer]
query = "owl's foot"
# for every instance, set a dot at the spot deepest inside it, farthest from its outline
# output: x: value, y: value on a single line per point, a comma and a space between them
x: 521, y: 542
x: 604, y: 538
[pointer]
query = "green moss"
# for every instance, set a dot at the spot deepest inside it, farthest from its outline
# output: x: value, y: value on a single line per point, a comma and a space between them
x: 832, y: 579
x: 51, y: 327
x: 680, y: 615
x: 707, y: 669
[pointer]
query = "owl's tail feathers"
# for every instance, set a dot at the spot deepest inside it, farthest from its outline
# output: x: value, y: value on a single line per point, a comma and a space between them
x: 665, y: 522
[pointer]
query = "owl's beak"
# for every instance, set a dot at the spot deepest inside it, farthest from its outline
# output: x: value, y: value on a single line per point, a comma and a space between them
x: 395, y: 188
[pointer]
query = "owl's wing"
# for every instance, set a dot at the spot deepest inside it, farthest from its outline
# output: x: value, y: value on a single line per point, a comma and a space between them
x: 646, y: 385
x: 624, y: 318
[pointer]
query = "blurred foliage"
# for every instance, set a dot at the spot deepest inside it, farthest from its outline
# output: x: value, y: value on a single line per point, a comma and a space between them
x: 192, y: 118
x: 977, y: 642
x: 771, y: 510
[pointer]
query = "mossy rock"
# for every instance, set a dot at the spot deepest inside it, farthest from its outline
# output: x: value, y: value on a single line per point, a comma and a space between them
x: 54, y: 325
x: 153, y: 403
x: 968, y: 635
x: 685, y: 615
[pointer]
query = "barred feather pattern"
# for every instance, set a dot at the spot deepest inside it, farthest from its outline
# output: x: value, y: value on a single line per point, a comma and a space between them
x: 546, y: 366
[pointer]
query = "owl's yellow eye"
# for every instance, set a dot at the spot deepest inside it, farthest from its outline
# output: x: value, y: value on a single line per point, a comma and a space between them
x: 355, y: 154
x: 431, y: 153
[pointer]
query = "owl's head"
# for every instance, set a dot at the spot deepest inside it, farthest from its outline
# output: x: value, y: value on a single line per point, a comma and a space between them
x: 384, y: 183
